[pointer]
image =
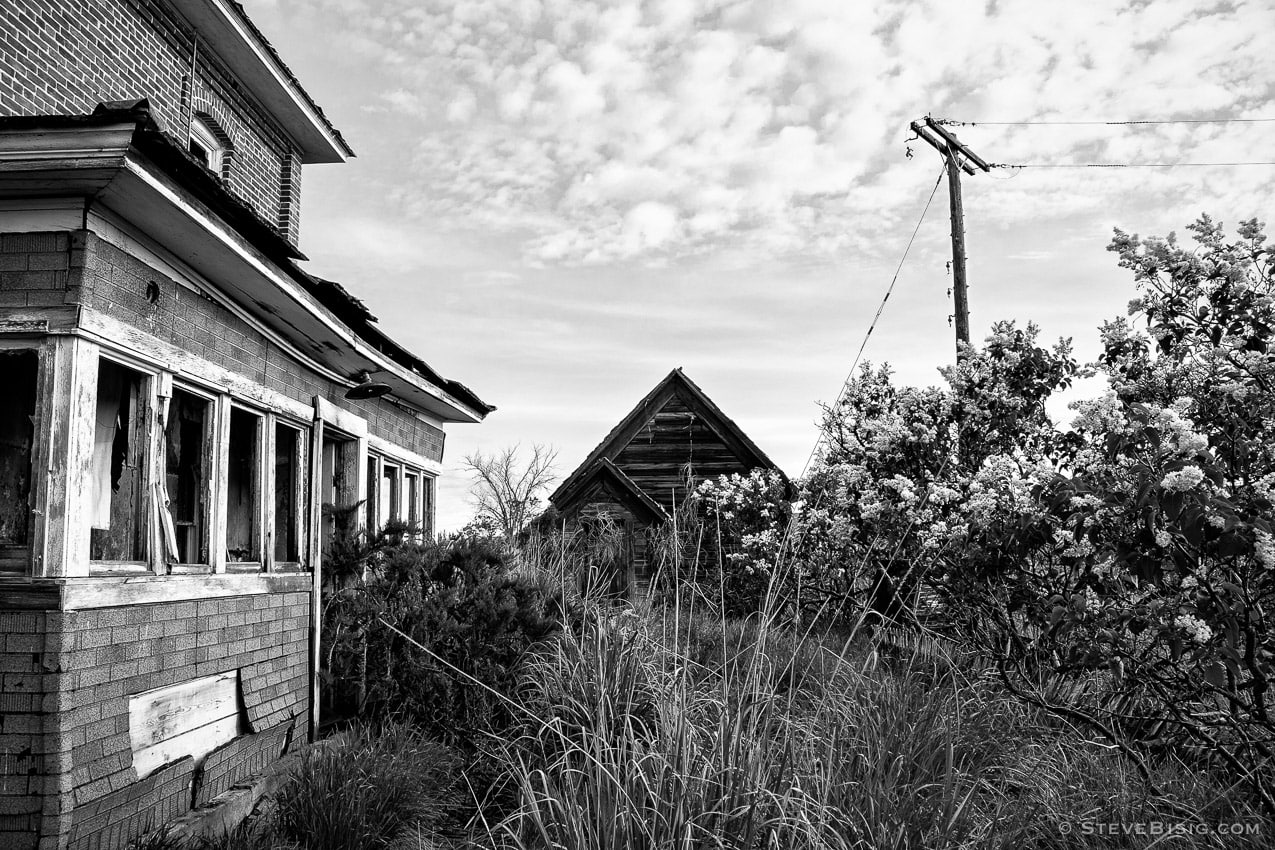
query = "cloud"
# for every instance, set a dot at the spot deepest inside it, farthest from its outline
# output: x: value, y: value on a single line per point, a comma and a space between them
x: 619, y: 131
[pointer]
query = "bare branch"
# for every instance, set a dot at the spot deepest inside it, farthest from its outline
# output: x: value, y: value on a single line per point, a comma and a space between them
x: 506, y: 488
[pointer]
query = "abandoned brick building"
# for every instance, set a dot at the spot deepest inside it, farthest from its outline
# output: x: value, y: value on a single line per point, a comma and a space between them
x: 178, y: 399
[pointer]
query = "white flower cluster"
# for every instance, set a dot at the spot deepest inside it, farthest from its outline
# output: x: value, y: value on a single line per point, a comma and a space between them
x: 1184, y: 479
x: 1179, y: 431
x: 1102, y: 415
x: 903, y: 486
x: 1196, y: 629
x: 1264, y: 549
x: 1265, y: 487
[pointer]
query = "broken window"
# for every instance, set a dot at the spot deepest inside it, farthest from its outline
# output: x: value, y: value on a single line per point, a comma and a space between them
x: 187, y: 447
x: 337, y: 489
x: 243, y: 483
x: 17, y: 442
x: 117, y: 476
x: 289, y: 501
x: 388, y: 494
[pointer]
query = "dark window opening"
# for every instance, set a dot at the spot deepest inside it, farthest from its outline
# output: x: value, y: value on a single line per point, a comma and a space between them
x: 200, y: 153
x: 288, y: 522
x: 17, y: 442
x: 117, y: 478
x: 187, y: 442
x: 337, y: 487
x: 242, y: 487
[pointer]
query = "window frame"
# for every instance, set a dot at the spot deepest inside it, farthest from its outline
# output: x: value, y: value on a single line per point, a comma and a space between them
x: 346, y: 471
x: 211, y: 459
x: 390, y: 504
x: 372, y: 520
x: 301, y: 497
x: 257, y: 481
x: 150, y: 379
x: 203, y: 132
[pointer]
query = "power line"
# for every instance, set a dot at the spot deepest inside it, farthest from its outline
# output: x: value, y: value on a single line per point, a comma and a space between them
x: 880, y: 308
x: 954, y: 123
x: 1127, y: 164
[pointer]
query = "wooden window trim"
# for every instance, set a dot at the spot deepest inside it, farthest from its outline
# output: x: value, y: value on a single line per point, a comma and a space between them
x: 258, y: 536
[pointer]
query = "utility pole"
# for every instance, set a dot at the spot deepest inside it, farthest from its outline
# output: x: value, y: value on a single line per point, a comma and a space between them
x: 959, y: 158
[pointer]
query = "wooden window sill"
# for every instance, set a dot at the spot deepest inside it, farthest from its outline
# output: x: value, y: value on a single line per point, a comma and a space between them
x: 243, y: 567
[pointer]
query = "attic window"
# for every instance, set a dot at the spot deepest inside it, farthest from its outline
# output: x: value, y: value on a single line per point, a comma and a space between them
x: 209, y: 145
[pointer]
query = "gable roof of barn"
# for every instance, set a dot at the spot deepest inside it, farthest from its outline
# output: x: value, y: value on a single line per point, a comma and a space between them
x: 674, y: 384
x: 623, y: 487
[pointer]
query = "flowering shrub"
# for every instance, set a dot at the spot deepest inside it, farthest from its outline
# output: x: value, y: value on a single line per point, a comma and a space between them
x: 1137, y: 546
x: 914, y: 481
x: 741, y: 523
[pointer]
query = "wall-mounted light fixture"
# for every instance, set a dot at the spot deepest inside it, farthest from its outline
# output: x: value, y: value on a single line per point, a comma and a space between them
x: 366, y: 387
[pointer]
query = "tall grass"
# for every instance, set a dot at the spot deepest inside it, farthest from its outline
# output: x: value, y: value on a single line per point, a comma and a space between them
x: 672, y: 729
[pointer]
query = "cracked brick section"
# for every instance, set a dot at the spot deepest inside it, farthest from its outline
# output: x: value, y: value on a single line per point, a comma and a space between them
x: 114, y: 819
x: 239, y: 759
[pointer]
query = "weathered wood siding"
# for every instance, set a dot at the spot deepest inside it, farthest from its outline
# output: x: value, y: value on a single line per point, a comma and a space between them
x: 675, y: 436
x: 599, y: 500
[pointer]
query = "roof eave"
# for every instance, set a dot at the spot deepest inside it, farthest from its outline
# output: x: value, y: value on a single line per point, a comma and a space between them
x: 604, y: 468
x: 237, y: 42
x: 96, y: 157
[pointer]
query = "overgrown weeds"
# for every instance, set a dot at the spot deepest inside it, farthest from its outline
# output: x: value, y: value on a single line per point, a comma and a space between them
x: 367, y: 790
x: 668, y: 730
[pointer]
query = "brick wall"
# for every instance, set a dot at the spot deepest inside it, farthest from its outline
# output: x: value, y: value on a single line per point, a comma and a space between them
x: 110, y: 822
x: 50, y: 269
x: 30, y: 766
x: 66, y: 56
x: 34, y: 270
x: 64, y: 725
x: 290, y: 198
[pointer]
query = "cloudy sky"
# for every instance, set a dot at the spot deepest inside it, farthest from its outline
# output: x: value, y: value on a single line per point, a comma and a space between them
x: 558, y: 201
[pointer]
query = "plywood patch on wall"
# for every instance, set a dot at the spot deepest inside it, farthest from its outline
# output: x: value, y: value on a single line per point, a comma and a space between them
x: 188, y: 719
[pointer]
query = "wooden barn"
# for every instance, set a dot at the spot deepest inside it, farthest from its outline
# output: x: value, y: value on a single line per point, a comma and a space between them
x: 639, y: 474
